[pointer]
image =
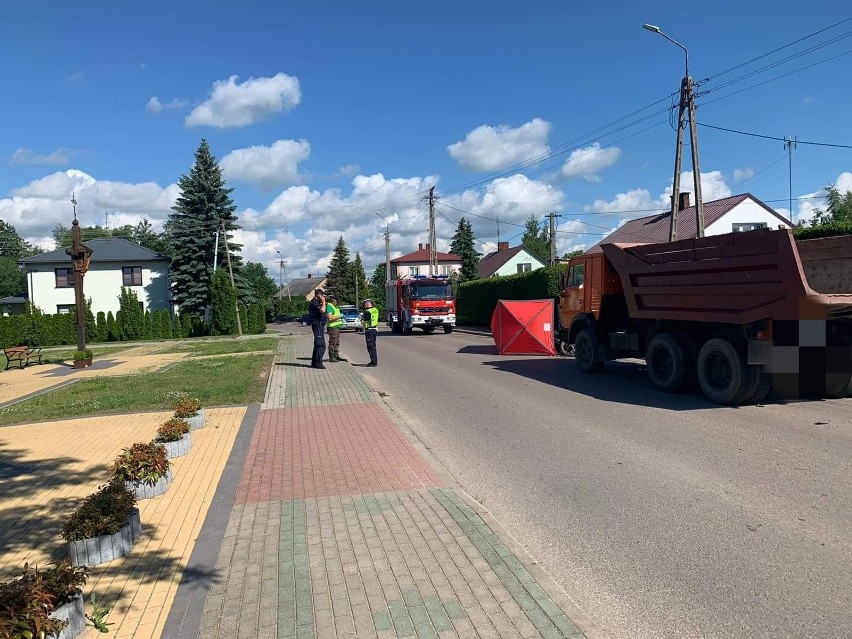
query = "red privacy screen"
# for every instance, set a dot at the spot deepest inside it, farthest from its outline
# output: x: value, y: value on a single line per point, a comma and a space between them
x: 523, y: 327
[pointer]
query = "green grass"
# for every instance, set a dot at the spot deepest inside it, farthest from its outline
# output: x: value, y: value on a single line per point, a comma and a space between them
x: 225, y: 346
x: 218, y: 381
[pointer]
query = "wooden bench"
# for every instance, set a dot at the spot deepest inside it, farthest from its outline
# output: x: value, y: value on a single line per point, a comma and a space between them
x: 22, y: 355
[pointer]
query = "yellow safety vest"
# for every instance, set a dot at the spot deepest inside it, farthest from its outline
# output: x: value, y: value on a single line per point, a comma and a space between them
x: 331, y: 308
x: 374, y: 317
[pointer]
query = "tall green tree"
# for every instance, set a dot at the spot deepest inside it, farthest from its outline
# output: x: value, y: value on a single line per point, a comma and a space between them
x: 536, y: 239
x: 131, y: 318
x: 340, y: 283
x: 13, y: 280
x: 378, y: 286
x: 463, y: 245
x: 360, y: 287
x: 144, y: 234
x: 838, y: 210
x: 261, y: 287
x: 203, y: 206
x: 13, y: 245
x: 62, y: 234
x: 224, y: 304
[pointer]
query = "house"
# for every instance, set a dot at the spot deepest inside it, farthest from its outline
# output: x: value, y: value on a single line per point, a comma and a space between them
x: 116, y: 262
x: 508, y: 261
x: 417, y: 263
x: 737, y: 213
x: 302, y: 287
x: 13, y: 305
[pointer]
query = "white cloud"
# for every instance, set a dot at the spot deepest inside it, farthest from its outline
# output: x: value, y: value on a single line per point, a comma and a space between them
x: 639, y: 201
x: 59, y: 157
x: 810, y: 202
x: 741, y: 175
x: 36, y: 208
x: 155, y: 105
x: 633, y: 200
x: 267, y: 166
x: 347, y: 170
x: 589, y: 161
x: 232, y: 104
x: 489, y: 148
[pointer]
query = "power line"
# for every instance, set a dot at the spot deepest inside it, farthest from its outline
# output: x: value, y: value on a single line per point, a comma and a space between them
x: 773, y: 137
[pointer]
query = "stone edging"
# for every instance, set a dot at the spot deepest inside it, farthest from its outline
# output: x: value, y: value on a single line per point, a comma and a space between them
x: 74, y: 613
x: 148, y: 491
x: 179, y: 448
x: 92, y: 552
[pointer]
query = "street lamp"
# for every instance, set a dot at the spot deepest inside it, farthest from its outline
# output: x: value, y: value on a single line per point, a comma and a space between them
x: 687, y: 104
x: 280, y: 269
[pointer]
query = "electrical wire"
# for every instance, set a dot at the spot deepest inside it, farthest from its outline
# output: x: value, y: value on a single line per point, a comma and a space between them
x: 773, y: 137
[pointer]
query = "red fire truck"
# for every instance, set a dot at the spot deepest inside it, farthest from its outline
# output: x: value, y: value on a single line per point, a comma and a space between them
x: 424, y: 302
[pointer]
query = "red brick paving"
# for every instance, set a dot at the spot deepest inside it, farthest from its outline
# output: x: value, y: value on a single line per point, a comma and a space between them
x: 320, y: 451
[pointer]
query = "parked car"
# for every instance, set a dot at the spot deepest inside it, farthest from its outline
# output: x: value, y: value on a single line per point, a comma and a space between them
x: 351, y: 318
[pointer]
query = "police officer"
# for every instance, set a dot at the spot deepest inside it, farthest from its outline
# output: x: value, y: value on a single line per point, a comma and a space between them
x: 335, y: 322
x: 371, y: 326
x: 317, y: 310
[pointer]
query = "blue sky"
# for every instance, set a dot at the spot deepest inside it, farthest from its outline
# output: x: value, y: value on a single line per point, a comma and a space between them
x: 323, y: 113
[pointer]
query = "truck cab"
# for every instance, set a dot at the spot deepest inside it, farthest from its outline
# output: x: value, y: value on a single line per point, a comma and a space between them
x: 423, y: 302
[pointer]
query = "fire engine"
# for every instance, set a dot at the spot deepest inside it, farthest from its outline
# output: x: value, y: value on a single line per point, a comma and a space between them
x: 421, y: 301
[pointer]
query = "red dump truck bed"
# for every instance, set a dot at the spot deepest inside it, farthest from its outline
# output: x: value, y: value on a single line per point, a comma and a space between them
x: 734, y: 278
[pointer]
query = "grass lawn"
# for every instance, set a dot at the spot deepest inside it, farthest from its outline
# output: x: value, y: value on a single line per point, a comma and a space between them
x: 225, y: 346
x: 226, y: 380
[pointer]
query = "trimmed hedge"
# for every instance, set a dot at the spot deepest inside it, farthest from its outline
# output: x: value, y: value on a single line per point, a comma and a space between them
x: 822, y: 230
x: 477, y: 299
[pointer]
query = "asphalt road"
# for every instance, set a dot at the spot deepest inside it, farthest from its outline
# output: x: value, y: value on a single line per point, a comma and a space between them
x: 660, y: 515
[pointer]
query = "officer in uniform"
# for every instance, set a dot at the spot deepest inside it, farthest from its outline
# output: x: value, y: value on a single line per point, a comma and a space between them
x: 335, y: 323
x: 371, y: 326
x: 317, y: 310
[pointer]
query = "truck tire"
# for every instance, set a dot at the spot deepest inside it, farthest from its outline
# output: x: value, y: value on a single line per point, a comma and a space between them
x: 396, y: 328
x: 764, y: 387
x: 564, y: 347
x: 838, y: 385
x: 584, y: 352
x: 666, y: 363
x: 448, y: 329
x: 721, y: 372
x: 751, y: 383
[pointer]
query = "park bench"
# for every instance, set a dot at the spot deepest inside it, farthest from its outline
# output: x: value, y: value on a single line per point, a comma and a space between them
x: 22, y: 355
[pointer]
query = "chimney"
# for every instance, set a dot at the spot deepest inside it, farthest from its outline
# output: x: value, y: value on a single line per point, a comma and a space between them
x: 427, y: 246
x: 683, y: 201
x: 420, y: 246
x: 502, y: 246
x: 309, y: 276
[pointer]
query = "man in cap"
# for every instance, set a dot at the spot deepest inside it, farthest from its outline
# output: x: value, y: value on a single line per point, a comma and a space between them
x: 319, y: 318
x: 371, y: 330
x: 335, y: 323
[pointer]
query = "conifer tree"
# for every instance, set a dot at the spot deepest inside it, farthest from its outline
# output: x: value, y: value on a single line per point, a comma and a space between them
x: 463, y: 245
x: 378, y: 286
x: 357, y: 274
x: 203, y: 206
x: 224, y: 304
x: 113, y: 334
x: 340, y: 283
x: 536, y: 239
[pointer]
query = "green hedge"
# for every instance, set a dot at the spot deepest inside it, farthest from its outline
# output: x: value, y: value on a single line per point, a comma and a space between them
x: 477, y: 299
x: 822, y: 230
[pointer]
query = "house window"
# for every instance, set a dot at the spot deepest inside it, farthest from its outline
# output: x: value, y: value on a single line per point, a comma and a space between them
x: 142, y: 306
x: 132, y: 275
x: 64, y: 277
x: 738, y: 227
x: 445, y: 270
x: 412, y: 271
x: 64, y: 309
x: 526, y: 267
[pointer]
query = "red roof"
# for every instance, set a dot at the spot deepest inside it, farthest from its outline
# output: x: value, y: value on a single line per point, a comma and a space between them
x: 421, y: 256
x: 655, y: 228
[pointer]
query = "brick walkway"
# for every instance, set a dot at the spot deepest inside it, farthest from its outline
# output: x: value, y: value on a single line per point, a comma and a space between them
x: 333, y: 525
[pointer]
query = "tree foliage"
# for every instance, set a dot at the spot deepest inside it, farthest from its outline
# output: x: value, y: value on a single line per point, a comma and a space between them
x: 463, y: 245
x: 378, y: 286
x: 838, y: 210
x: 360, y: 287
x: 131, y: 318
x: 13, y: 280
x: 260, y: 285
x: 536, y: 239
x: 203, y: 206
x: 224, y: 304
x: 340, y: 283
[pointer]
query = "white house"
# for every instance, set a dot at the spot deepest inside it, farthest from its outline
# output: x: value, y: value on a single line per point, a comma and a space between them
x: 508, y: 261
x: 417, y: 263
x: 737, y: 213
x: 115, y: 263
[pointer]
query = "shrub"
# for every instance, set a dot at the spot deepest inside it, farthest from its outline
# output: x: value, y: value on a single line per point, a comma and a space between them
x: 103, y: 330
x: 81, y: 355
x: 187, y: 407
x: 101, y: 513
x: 28, y: 600
x: 142, y: 462
x: 223, y: 299
x: 829, y: 229
x: 172, y: 431
x: 113, y: 332
x: 185, y: 325
x: 131, y: 319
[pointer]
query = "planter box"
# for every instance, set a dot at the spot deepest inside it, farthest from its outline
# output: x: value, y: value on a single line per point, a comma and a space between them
x: 147, y: 491
x: 180, y: 447
x: 74, y: 614
x: 82, y: 363
x: 197, y: 421
x: 91, y: 552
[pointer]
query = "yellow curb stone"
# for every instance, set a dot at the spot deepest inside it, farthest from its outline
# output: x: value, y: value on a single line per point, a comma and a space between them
x: 54, y: 464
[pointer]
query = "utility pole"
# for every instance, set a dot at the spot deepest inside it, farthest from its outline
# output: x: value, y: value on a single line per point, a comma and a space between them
x: 234, y: 286
x: 286, y: 283
x: 387, y: 247
x: 433, y: 250
x: 498, y: 232
x: 106, y: 221
x: 553, y: 215
x: 789, y: 145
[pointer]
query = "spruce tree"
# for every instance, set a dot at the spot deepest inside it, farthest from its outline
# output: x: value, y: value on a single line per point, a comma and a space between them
x: 378, y: 286
x: 463, y: 245
x: 203, y: 206
x: 340, y: 283
x: 357, y: 274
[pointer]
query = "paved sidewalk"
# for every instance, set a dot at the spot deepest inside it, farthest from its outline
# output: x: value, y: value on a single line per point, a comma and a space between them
x: 332, y: 523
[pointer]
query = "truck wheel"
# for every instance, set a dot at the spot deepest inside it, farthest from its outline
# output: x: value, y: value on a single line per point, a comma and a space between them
x: 666, y: 363
x: 721, y: 371
x: 764, y: 386
x: 584, y: 352
x: 838, y: 385
x: 396, y: 328
x: 751, y: 383
x: 565, y: 348
x: 448, y: 329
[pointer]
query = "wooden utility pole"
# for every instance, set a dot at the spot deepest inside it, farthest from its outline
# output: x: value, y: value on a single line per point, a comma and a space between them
x: 789, y: 145
x: 80, y: 256
x: 234, y: 286
x: 433, y: 250
x: 387, y: 254
x: 687, y: 106
x: 553, y: 215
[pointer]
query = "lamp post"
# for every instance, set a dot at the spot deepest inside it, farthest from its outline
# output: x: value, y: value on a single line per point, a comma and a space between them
x: 687, y: 104
x: 387, y: 247
x: 80, y: 255
x: 281, y: 269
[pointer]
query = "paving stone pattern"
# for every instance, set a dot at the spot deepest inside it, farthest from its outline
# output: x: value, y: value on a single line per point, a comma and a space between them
x: 340, y: 528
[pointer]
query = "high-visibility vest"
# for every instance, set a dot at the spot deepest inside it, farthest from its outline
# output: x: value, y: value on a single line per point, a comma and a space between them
x: 374, y: 317
x: 333, y: 310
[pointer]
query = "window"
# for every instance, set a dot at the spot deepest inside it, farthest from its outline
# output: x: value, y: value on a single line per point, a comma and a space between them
x: 64, y: 309
x: 64, y: 278
x: 748, y: 226
x: 132, y: 275
x: 576, y: 275
x: 142, y: 307
x: 412, y: 271
x: 526, y: 267
x: 445, y: 270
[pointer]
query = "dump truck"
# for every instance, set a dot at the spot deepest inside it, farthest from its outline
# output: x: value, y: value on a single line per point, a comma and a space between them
x: 732, y: 313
